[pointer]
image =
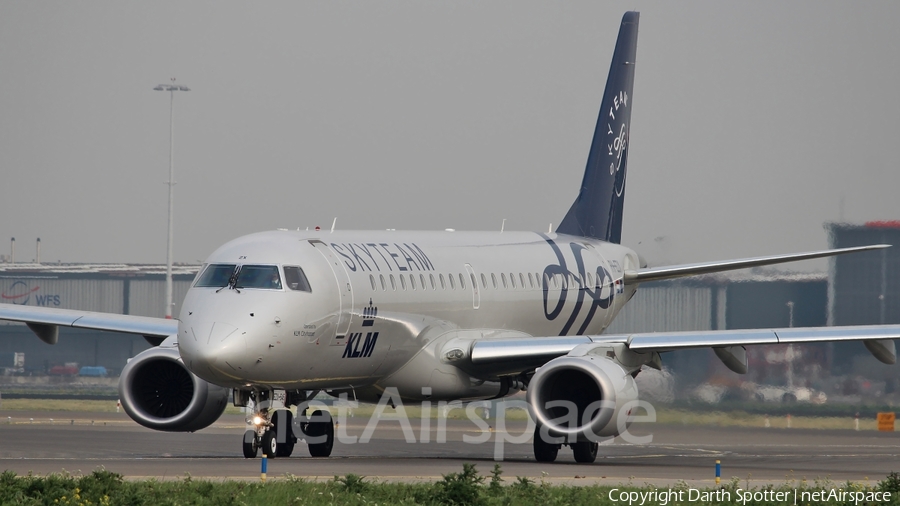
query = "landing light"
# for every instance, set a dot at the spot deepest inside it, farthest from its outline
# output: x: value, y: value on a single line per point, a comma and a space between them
x: 257, y: 420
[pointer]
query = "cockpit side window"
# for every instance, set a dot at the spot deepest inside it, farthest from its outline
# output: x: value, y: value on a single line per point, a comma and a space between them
x: 215, y: 275
x: 296, y: 279
x: 258, y: 276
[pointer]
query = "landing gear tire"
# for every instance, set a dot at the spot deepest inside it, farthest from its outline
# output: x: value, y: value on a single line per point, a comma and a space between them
x: 321, y: 426
x: 269, y: 444
x: 284, y: 418
x: 585, y: 451
x: 250, y: 446
x: 544, y: 451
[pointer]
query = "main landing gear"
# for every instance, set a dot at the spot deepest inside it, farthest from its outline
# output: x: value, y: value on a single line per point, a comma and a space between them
x: 275, y: 430
x: 546, y: 451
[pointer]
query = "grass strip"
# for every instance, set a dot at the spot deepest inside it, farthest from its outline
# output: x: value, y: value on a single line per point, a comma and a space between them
x: 732, y: 417
x: 467, y: 487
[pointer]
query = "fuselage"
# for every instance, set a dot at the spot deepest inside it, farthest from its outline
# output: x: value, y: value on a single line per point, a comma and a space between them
x: 356, y: 311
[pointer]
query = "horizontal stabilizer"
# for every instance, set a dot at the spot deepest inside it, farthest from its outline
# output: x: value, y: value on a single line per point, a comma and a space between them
x: 680, y: 271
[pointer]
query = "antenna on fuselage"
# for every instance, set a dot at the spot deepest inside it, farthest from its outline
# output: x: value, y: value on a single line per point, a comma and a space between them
x: 333, y: 223
x: 550, y: 230
x: 503, y: 225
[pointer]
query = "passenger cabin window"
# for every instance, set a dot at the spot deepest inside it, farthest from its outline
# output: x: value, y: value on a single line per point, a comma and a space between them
x: 372, y: 280
x: 512, y: 279
x: 402, y: 282
x: 412, y: 281
x: 443, y: 286
x: 215, y: 275
x: 462, y: 281
x: 422, y: 279
x: 483, y: 281
x: 452, y: 283
x: 381, y: 278
x: 258, y: 276
x: 494, y: 280
x: 531, y: 280
x: 393, y: 283
x: 521, y: 280
x: 431, y: 277
x: 296, y: 279
x: 503, y: 279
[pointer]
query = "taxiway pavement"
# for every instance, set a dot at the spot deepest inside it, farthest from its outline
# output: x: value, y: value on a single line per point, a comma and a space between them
x: 48, y: 442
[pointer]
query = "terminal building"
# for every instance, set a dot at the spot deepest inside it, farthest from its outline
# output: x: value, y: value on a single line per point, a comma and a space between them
x: 108, y: 288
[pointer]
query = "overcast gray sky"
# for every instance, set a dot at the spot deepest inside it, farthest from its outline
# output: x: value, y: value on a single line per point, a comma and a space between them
x: 753, y: 123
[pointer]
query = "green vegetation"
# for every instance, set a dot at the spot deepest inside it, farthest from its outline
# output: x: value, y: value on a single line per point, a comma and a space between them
x: 71, y: 405
x: 744, y: 419
x: 802, y: 417
x: 58, y: 405
x: 778, y: 409
x: 464, y: 488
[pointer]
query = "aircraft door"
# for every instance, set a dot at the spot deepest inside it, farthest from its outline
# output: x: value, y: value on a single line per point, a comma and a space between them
x: 476, y: 294
x: 345, y: 311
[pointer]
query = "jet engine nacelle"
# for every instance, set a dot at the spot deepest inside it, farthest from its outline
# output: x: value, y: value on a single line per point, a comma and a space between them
x: 582, y: 397
x: 158, y: 392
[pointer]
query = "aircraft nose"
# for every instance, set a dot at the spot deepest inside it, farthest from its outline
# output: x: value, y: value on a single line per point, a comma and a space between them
x: 206, y: 345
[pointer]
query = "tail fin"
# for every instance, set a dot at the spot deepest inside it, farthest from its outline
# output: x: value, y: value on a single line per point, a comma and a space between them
x: 597, y: 212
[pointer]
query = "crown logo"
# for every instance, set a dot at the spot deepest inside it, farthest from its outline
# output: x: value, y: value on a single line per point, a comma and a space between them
x: 369, y: 314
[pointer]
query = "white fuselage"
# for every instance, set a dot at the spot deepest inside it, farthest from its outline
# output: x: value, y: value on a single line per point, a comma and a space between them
x: 372, y: 295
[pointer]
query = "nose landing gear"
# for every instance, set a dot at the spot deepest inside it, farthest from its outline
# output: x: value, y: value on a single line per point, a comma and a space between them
x: 274, y: 429
x: 251, y: 444
x: 266, y: 434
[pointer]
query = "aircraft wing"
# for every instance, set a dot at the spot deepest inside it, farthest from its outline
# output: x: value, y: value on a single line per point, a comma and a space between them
x: 680, y: 271
x: 509, y: 354
x: 45, y: 322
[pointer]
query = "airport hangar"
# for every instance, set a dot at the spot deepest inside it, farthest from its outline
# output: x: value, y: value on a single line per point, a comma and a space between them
x: 859, y: 289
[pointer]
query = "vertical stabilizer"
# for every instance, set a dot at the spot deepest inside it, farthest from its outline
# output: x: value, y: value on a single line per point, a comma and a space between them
x: 597, y: 212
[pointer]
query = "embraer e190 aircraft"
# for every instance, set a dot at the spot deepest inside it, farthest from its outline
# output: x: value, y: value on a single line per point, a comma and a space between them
x: 274, y: 318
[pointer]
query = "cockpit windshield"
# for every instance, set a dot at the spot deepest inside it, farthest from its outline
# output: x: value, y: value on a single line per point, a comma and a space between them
x: 216, y: 275
x: 258, y: 276
x: 240, y: 276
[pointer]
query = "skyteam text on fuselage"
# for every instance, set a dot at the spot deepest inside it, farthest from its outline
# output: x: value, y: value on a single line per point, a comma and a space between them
x: 275, y: 317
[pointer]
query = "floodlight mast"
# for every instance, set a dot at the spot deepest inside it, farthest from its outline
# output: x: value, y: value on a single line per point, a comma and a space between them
x: 171, y: 88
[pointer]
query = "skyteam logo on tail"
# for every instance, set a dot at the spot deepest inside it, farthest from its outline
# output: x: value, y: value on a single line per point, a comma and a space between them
x: 617, y: 140
x: 597, y: 211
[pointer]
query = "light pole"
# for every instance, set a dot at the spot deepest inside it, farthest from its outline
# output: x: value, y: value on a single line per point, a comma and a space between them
x: 171, y: 88
x: 789, y: 355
